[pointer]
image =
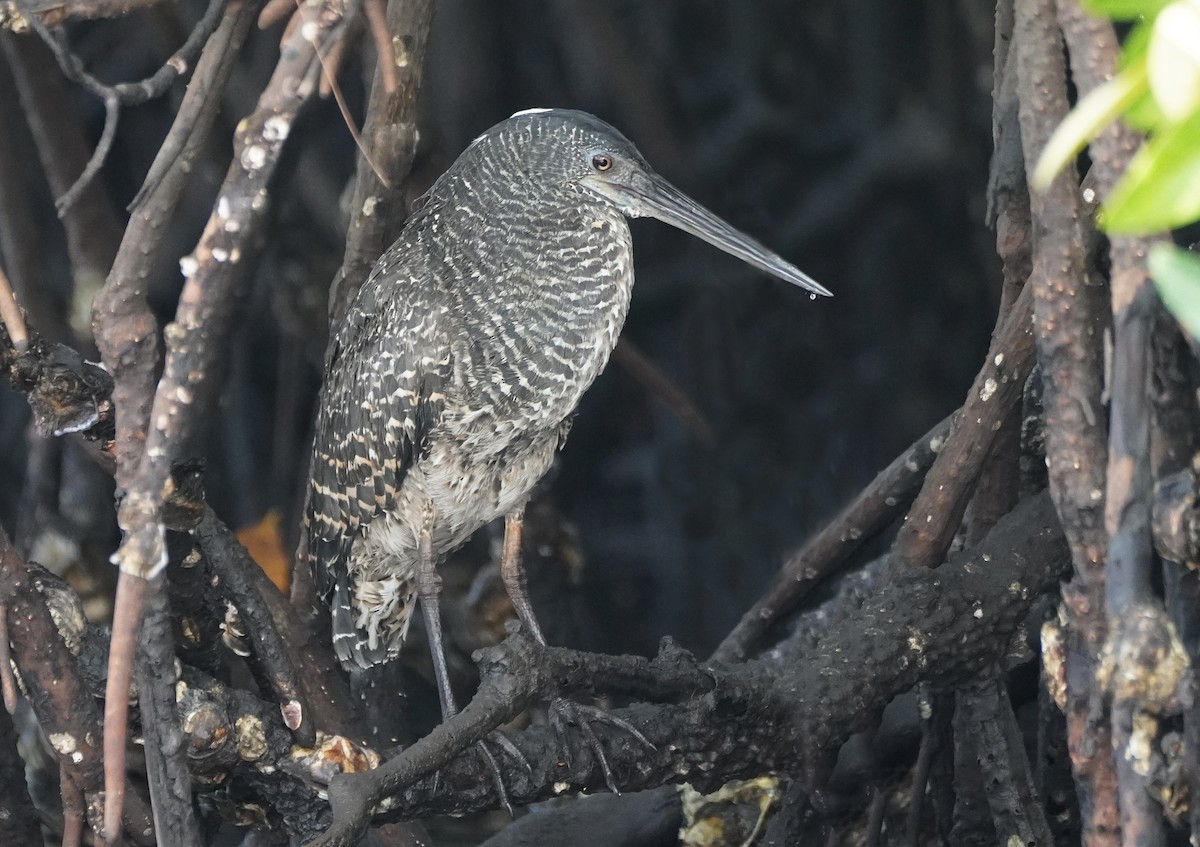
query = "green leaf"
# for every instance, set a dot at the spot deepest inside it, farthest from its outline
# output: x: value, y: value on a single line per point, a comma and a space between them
x: 1090, y: 115
x: 1143, y: 113
x: 1173, y: 59
x: 1176, y: 273
x: 1135, y: 44
x: 1161, y: 188
x: 1125, y: 10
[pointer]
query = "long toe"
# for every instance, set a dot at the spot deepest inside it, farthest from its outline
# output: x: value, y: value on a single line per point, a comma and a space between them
x: 502, y: 741
x: 506, y: 744
x: 567, y: 712
x: 497, y: 776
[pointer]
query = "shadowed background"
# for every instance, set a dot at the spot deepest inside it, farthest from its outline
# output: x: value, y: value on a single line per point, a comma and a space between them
x: 851, y: 137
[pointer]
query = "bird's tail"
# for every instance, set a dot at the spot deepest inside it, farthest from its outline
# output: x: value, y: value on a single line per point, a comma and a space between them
x: 355, y: 647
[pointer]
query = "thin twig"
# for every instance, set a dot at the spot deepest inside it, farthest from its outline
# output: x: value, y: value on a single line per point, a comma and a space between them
x: 385, y: 54
x: 72, y: 809
x: 126, y: 93
x: 378, y: 210
x: 12, y: 316
x: 55, y: 12
x: 112, y: 112
x: 127, y: 617
x: 8, y: 682
x: 938, y: 510
x: 643, y: 370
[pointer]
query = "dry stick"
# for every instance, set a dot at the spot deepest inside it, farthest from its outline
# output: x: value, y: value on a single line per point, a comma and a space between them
x: 125, y: 93
x: 91, y: 226
x: 935, y: 515
x: 381, y: 33
x: 233, y: 565
x: 126, y: 334
x: 122, y: 646
x: 198, y: 108
x: 1176, y: 426
x: 1137, y: 621
x: 920, y: 778
x: 1008, y: 215
x: 72, y: 808
x: 65, y: 708
x: 878, y: 505
x: 377, y: 211
x: 22, y: 236
x: 1068, y: 316
x: 19, y: 825
x: 7, y: 681
x: 12, y: 316
x: 170, y: 783
x: 982, y: 712
x: 213, y: 275
x: 922, y: 629
x: 659, y: 386
x: 55, y: 12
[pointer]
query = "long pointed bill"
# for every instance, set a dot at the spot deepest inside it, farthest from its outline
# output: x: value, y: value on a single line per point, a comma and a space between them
x: 649, y: 195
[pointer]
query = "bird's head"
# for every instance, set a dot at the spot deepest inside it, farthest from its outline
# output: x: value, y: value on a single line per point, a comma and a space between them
x: 574, y: 149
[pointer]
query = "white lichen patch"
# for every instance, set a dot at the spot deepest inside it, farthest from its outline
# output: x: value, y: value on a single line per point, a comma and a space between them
x: 400, y: 51
x: 989, y: 389
x: 251, y: 738
x: 63, y: 742
x: 254, y: 157
x: 1139, y: 750
x: 276, y: 128
x: 188, y: 266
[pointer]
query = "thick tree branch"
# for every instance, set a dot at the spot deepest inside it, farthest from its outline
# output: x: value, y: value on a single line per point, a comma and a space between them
x: 1069, y: 316
x: 1138, y: 625
x: 747, y: 717
x: 65, y: 707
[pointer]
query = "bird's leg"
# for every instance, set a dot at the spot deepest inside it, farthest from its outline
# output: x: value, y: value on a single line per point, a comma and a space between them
x: 513, y: 575
x: 429, y: 590
x: 562, y: 711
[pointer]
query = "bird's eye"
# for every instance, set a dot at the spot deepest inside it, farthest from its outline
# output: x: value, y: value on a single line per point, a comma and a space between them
x: 602, y: 162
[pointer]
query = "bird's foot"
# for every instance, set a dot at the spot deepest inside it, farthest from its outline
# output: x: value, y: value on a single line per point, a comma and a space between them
x: 489, y: 758
x: 564, y: 712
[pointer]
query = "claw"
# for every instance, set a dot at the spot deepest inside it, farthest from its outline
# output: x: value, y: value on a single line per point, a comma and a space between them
x: 563, y: 712
x: 506, y: 744
x: 497, y: 777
